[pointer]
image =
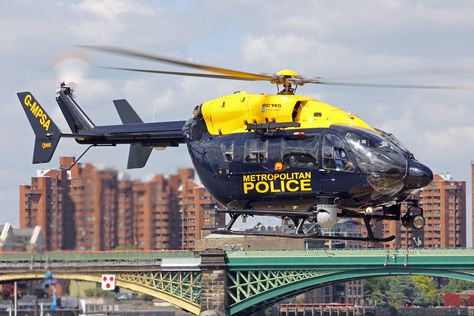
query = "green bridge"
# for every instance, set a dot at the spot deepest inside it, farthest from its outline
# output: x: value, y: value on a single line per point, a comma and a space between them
x: 236, y: 282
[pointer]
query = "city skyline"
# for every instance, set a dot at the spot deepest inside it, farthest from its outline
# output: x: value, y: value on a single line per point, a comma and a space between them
x: 330, y: 39
x: 88, y: 208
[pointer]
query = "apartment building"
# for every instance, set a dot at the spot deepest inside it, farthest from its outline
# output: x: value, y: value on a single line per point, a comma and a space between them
x: 444, y: 205
x: 91, y: 208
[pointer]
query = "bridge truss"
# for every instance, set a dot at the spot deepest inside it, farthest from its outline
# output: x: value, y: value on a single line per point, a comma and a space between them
x: 261, y: 278
x: 253, y: 279
x: 173, y: 277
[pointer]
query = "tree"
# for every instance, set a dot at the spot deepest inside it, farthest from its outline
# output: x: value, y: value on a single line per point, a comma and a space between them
x: 401, y: 291
x: 396, y: 291
x: 125, y: 248
x: 146, y: 297
x: 96, y: 292
x: 298, y: 299
x: 428, y: 294
x: 272, y: 310
x: 456, y: 286
x: 375, y: 289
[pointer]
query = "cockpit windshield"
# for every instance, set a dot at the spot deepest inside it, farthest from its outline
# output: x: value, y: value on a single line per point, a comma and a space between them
x: 376, y: 154
x: 394, y: 140
x: 381, y: 158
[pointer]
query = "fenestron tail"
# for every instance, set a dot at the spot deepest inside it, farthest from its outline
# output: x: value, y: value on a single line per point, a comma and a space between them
x: 46, y: 132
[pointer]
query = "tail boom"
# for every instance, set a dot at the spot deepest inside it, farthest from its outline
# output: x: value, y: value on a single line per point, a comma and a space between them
x: 141, y: 136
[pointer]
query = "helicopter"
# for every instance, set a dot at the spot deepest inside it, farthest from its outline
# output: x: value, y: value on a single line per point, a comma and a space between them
x: 283, y: 155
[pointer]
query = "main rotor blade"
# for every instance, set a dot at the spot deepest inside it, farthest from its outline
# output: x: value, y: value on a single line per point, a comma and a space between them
x: 382, y: 85
x: 178, y: 73
x: 241, y: 75
x: 429, y: 71
x: 137, y: 54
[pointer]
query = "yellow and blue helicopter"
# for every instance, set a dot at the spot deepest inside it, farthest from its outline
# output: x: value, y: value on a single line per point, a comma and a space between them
x: 282, y: 155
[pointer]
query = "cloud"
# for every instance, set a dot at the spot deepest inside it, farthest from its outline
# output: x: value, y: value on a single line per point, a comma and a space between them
x: 112, y: 9
x: 333, y: 39
x: 437, y: 134
x: 107, y: 19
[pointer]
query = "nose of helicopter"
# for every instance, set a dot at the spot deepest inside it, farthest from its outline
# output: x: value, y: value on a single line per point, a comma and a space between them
x: 418, y: 175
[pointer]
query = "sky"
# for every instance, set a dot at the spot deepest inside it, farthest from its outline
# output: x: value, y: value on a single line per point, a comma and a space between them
x: 405, y: 41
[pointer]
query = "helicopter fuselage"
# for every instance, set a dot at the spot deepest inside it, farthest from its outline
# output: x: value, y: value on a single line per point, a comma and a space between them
x: 290, y: 153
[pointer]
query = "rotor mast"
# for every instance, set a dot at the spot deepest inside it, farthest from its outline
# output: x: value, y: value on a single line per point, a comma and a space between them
x: 288, y: 79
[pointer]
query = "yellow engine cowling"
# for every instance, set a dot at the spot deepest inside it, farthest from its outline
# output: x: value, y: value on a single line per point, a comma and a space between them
x: 231, y: 114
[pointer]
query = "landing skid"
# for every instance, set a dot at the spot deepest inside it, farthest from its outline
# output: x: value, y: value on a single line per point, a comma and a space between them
x: 299, y: 219
x: 309, y: 236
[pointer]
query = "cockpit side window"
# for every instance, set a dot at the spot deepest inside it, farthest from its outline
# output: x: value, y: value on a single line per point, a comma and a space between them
x: 228, y: 151
x: 300, y: 153
x: 335, y: 156
x: 256, y: 150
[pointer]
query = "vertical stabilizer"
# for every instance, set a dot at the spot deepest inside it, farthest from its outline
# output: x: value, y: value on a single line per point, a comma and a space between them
x: 138, y: 154
x: 46, y: 132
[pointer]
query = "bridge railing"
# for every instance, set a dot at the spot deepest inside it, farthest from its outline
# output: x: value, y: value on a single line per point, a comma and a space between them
x: 15, y: 261
x: 359, y: 252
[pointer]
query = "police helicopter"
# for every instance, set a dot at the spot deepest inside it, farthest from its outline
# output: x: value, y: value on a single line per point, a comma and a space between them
x: 283, y: 155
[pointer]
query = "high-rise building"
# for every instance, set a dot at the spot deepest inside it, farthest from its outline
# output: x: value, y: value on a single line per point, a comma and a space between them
x: 444, y: 205
x: 94, y: 195
x: 76, y: 208
x: 157, y: 220
x: 197, y: 208
x: 45, y: 203
x: 89, y: 208
x: 125, y: 213
x: 472, y: 199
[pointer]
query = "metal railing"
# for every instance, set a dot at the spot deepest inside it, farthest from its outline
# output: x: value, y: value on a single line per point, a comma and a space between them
x: 360, y: 252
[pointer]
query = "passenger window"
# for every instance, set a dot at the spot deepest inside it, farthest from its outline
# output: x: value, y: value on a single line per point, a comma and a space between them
x: 256, y: 150
x: 228, y: 151
x: 300, y: 153
x: 335, y: 156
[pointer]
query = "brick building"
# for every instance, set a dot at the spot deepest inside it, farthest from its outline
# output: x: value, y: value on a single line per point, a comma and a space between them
x: 93, y: 195
x: 444, y: 205
x: 46, y: 203
x: 197, y: 210
x: 88, y: 208
x: 472, y: 198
